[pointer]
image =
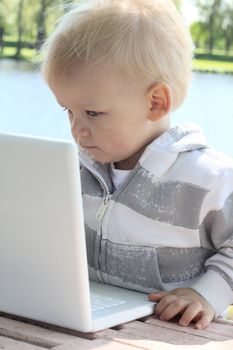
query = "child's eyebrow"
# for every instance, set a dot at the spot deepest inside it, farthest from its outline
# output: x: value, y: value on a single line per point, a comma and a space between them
x: 89, y: 104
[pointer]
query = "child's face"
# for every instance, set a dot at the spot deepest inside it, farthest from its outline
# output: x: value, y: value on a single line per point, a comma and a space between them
x: 108, y: 114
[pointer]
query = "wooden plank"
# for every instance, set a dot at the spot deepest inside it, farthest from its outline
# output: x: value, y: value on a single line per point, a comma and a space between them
x: 25, y: 338
x: 225, y: 328
x: 78, y: 344
x: 215, y: 331
x: 42, y: 325
x: 135, y: 342
x: 155, y: 338
x: 10, y: 344
x: 35, y: 335
x: 30, y: 333
x: 145, y: 344
x: 152, y: 334
x: 100, y: 344
x: 43, y: 338
x: 175, y: 335
x: 21, y: 335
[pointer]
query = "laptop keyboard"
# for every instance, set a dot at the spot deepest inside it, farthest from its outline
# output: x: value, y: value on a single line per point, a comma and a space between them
x: 100, y: 303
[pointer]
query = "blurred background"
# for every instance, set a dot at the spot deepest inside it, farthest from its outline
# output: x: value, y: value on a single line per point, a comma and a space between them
x: 27, y: 106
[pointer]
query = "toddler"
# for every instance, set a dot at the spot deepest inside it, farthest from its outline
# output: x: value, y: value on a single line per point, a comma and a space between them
x: 158, y: 200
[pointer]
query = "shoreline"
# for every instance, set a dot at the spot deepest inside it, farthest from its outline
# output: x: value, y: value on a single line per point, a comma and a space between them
x: 212, y: 66
x: 198, y: 65
x: 212, y: 71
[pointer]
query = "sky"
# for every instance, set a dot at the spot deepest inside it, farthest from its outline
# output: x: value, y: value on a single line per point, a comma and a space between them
x: 189, y: 11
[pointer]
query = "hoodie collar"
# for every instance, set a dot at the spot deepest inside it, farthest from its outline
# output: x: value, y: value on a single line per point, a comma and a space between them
x: 99, y: 170
x: 161, y: 153
x: 180, y: 139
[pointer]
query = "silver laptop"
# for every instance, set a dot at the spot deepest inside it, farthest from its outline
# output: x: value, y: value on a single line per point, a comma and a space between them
x: 43, y: 262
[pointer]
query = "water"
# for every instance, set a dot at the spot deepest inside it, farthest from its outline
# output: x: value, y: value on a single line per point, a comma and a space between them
x: 27, y: 106
x: 210, y: 104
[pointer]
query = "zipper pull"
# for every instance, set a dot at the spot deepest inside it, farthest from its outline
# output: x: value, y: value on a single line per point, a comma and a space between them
x: 100, y: 213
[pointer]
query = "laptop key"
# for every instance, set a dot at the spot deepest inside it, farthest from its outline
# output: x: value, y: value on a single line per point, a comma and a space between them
x: 99, y: 302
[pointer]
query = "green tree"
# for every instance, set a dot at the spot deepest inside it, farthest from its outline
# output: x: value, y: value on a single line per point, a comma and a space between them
x: 209, y: 11
x: 29, y: 21
x: 2, y: 13
x: 227, y: 25
x: 198, y: 32
x: 49, y: 10
x: 19, y: 25
x: 41, y: 21
x: 178, y: 4
x: 2, y: 25
x: 5, y: 14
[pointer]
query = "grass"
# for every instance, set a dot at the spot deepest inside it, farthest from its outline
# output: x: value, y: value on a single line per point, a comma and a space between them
x: 215, y: 52
x: 26, y: 54
x: 212, y: 66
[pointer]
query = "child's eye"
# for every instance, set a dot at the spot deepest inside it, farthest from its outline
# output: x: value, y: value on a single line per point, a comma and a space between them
x: 90, y: 113
x: 67, y: 110
x: 93, y: 113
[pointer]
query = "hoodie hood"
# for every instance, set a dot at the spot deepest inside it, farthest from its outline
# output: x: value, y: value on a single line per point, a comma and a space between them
x: 186, y: 137
x: 162, y: 153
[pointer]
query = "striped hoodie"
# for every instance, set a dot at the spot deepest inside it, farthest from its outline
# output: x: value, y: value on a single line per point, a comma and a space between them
x: 170, y: 225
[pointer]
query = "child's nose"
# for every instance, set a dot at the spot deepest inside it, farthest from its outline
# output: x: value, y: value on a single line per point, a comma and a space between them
x: 79, y: 129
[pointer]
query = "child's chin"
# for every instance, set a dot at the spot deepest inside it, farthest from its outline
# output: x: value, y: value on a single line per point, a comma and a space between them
x: 96, y: 158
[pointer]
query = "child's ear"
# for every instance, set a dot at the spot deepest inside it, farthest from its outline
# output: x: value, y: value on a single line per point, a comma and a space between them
x: 159, y: 98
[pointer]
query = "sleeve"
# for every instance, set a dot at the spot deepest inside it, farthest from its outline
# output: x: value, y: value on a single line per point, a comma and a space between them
x: 216, y: 233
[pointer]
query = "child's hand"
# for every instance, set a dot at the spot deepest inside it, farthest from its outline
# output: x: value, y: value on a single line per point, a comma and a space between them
x: 184, y: 301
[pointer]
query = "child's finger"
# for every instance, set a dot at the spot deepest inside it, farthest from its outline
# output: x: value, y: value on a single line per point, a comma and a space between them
x: 163, y: 304
x: 157, y: 296
x: 204, y: 321
x: 173, y: 309
x: 190, y: 313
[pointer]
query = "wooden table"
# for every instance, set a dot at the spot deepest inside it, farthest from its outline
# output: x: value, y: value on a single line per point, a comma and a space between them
x: 146, y: 334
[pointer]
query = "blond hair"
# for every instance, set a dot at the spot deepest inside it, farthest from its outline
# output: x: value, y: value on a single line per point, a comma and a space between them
x: 146, y: 38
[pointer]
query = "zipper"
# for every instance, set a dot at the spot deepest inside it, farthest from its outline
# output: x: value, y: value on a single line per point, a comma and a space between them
x: 99, y: 217
x: 101, y: 211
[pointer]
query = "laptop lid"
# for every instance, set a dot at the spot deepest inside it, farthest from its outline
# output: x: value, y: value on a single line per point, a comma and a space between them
x: 43, y: 264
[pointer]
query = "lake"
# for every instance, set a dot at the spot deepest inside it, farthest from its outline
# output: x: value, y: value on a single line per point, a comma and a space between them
x: 27, y: 105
